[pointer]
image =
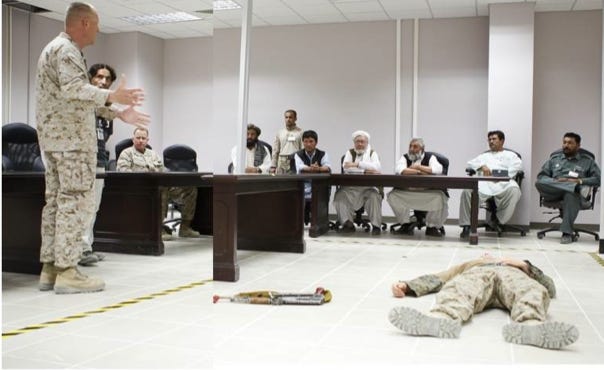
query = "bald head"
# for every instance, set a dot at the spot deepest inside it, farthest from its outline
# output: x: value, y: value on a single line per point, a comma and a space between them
x: 82, y: 23
x: 76, y: 11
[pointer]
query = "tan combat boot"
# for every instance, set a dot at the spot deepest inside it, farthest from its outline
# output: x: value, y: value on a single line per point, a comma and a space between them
x: 70, y: 280
x: 185, y: 230
x: 47, y: 276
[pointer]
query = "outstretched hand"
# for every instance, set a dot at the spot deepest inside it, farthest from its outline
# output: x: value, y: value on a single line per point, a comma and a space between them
x: 399, y: 289
x: 133, y: 117
x: 125, y: 96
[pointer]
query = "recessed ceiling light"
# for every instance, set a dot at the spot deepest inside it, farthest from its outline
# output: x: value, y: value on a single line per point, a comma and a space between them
x: 161, y: 18
x: 225, y: 5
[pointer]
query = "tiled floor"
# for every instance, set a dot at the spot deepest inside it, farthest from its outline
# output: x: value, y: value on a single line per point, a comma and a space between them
x: 183, y: 329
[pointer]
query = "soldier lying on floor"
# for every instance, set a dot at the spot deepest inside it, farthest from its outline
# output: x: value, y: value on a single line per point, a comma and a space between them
x: 471, y: 287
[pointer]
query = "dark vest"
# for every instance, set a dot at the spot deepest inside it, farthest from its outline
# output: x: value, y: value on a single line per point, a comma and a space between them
x: 259, y: 154
x: 425, y: 160
x: 318, y: 157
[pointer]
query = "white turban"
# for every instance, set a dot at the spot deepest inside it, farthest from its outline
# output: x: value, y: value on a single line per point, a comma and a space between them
x: 360, y: 133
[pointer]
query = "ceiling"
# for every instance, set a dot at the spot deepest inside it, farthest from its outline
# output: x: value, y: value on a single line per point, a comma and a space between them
x: 288, y: 12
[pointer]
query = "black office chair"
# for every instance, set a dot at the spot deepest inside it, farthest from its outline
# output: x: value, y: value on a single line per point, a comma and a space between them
x: 418, y: 220
x: 358, y: 214
x: 178, y: 158
x: 20, y: 148
x: 589, y: 203
x: 491, y: 208
x: 260, y: 142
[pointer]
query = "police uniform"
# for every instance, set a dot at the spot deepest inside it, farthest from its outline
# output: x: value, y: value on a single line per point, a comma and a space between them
x: 558, y: 166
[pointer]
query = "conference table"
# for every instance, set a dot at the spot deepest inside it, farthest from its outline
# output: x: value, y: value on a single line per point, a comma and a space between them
x: 242, y: 212
x: 129, y: 219
x: 319, y: 216
x: 247, y: 212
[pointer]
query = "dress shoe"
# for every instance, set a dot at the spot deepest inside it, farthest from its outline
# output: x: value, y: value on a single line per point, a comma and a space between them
x: 348, y: 227
x: 465, y: 232
x: 376, y: 230
x: 566, y: 238
x: 434, y: 231
x: 405, y: 229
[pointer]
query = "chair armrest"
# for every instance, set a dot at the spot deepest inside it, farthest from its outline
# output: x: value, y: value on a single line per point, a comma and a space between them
x: 519, y: 177
x: 7, y: 164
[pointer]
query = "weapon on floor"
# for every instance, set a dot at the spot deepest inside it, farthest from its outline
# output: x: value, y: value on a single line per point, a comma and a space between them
x: 319, y: 297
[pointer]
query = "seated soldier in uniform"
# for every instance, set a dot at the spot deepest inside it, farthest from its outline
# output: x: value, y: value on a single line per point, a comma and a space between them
x: 139, y: 158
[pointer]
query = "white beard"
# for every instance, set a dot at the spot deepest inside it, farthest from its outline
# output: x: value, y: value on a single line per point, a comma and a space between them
x: 414, y: 157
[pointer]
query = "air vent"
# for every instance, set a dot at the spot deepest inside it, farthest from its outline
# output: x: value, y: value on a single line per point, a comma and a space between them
x: 205, y: 11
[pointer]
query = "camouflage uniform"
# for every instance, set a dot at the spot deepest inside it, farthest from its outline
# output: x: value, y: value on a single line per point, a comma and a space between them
x: 479, y: 284
x: 131, y: 160
x: 65, y: 106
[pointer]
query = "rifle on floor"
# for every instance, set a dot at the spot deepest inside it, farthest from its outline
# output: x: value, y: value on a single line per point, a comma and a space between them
x: 319, y: 297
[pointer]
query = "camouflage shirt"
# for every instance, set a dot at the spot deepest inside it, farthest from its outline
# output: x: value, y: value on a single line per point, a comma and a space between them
x: 65, y: 99
x: 431, y: 283
x: 131, y: 160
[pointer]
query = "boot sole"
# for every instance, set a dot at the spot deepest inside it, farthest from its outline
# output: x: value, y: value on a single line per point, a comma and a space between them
x: 45, y: 287
x: 70, y: 290
x: 551, y: 335
x: 413, y: 322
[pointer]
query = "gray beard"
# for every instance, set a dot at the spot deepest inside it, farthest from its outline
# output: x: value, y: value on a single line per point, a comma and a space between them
x: 414, y: 157
x: 359, y: 152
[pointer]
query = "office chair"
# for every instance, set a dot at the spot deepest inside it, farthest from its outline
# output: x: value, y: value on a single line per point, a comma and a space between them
x: 20, y: 148
x: 178, y: 158
x: 491, y: 208
x: 358, y: 214
x: 589, y: 203
x: 418, y: 220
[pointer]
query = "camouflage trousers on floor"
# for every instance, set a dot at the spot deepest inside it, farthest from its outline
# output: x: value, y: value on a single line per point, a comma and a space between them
x: 186, y: 197
x: 492, y: 286
x: 69, y: 205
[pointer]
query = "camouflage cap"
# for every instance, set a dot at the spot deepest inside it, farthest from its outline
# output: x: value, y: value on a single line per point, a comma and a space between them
x: 541, y: 278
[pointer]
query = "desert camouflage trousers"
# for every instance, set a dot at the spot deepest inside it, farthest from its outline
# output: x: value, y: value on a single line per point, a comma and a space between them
x: 69, y: 205
x: 185, y: 197
x: 494, y: 286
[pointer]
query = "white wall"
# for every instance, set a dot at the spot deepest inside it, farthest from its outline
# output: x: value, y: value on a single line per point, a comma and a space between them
x: 567, y: 90
x: 510, y: 105
x: 342, y: 77
x: 338, y: 77
x: 452, y: 92
x: 187, y: 90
